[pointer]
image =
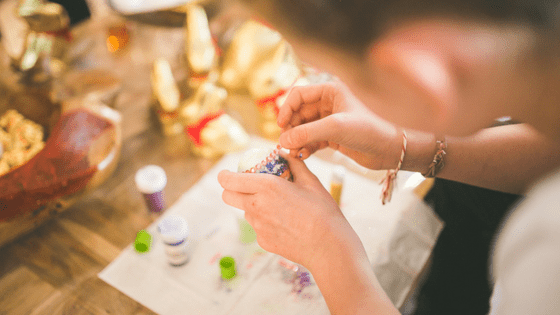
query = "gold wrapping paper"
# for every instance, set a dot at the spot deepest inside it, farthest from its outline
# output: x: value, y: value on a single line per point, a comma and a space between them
x: 219, y: 135
x: 167, y: 95
x: 200, y: 52
x: 47, y: 37
x: 269, y: 85
x: 252, y: 44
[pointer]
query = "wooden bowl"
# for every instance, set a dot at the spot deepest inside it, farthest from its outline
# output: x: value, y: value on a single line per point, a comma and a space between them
x: 83, y: 142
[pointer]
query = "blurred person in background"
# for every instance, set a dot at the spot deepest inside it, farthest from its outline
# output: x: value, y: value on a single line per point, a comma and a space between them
x: 438, y: 68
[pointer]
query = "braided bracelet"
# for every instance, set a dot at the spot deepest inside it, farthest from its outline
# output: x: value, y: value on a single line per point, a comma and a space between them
x: 388, y: 181
x: 437, y: 163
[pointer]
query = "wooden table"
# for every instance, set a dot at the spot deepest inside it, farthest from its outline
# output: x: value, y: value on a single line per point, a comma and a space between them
x: 53, y: 270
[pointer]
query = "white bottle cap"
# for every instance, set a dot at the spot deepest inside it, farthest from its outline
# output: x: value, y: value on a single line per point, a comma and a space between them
x: 150, y: 179
x: 173, y: 229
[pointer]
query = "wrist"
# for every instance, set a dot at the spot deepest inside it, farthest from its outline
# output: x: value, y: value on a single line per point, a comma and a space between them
x: 345, y: 276
x: 420, y: 152
x: 338, y: 239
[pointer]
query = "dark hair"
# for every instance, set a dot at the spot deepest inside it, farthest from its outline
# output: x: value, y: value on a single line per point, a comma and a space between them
x: 353, y: 24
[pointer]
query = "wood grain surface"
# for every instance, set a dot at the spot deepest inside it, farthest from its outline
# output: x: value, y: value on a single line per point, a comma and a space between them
x: 53, y: 270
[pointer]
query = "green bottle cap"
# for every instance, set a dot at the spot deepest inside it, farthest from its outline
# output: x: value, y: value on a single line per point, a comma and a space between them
x: 143, y: 241
x: 227, y: 266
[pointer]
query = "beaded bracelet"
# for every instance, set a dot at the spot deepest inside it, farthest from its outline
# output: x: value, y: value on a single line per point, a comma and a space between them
x: 437, y: 163
x: 388, y: 181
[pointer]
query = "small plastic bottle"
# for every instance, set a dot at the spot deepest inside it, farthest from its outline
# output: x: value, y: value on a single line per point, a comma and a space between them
x: 336, y: 183
x: 150, y: 181
x: 174, y: 233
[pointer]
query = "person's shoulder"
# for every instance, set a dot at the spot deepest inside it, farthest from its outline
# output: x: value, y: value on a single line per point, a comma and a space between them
x: 525, y: 262
x: 543, y: 199
x: 536, y: 218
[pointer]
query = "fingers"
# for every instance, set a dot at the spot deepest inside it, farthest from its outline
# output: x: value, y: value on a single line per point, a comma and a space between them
x: 236, y: 199
x: 298, y: 168
x: 299, y: 96
x: 242, y: 182
x: 309, y: 149
x: 326, y: 129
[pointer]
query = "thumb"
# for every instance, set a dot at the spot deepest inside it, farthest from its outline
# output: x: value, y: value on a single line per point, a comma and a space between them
x: 298, y: 168
x: 325, y: 129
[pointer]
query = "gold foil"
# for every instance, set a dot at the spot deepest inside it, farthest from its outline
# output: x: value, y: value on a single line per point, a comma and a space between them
x: 47, y: 37
x: 167, y: 94
x: 199, y: 48
x: 208, y: 98
x: 280, y: 71
x: 271, y: 81
x: 47, y: 17
x: 252, y: 44
x: 221, y: 135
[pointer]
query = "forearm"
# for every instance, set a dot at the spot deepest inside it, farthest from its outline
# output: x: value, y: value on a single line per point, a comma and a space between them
x: 346, y: 279
x: 506, y: 158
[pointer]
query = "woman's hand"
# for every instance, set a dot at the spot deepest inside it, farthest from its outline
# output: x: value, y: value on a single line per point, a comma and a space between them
x: 293, y: 219
x: 316, y: 116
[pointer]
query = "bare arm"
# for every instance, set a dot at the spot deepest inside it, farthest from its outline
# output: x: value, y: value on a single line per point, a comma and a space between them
x: 346, y: 279
x: 505, y: 158
x: 322, y: 240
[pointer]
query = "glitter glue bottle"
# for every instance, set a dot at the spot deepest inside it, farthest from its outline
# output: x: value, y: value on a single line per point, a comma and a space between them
x: 150, y: 181
x: 174, y: 233
x: 337, y: 181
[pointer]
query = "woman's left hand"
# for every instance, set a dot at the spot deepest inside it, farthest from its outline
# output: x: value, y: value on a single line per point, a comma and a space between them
x: 293, y: 219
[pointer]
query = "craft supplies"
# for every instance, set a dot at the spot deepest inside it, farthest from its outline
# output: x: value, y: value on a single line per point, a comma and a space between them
x: 143, y: 242
x: 150, y: 181
x: 174, y: 233
x: 289, y: 270
x: 263, y: 160
x: 227, y: 268
x: 337, y: 181
x: 260, y: 160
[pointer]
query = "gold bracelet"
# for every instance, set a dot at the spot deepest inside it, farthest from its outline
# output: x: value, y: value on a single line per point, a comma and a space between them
x: 437, y: 163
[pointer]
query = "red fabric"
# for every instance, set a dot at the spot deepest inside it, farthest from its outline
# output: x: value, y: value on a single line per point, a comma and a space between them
x: 271, y: 100
x: 194, y: 131
x: 61, y: 168
x: 216, y: 46
x: 64, y: 33
x: 263, y: 22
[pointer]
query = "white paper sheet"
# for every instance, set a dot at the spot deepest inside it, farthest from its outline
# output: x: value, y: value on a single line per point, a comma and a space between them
x: 398, y: 247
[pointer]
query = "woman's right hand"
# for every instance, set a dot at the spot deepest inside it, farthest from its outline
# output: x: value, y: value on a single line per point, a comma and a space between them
x: 328, y: 115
